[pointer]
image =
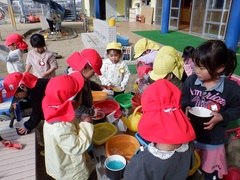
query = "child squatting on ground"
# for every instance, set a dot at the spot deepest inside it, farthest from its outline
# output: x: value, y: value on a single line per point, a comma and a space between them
x: 210, y: 87
x: 66, y: 138
x: 42, y: 61
x: 28, y: 87
x: 15, y: 46
x: 87, y: 62
x: 115, y: 72
x: 170, y: 155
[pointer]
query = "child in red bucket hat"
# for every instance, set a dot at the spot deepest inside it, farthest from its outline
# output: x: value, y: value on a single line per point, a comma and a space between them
x: 15, y: 46
x: 87, y: 62
x: 30, y: 91
x: 170, y: 155
x: 66, y: 139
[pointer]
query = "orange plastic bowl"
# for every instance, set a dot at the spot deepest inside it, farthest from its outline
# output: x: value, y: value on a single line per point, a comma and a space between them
x: 122, y: 144
x: 99, y: 96
x: 107, y: 106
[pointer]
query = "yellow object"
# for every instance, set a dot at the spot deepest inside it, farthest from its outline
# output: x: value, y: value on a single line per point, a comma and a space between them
x: 197, y: 163
x: 111, y: 22
x: 99, y: 96
x: 114, y: 45
x: 122, y: 144
x: 103, y: 132
x: 132, y: 121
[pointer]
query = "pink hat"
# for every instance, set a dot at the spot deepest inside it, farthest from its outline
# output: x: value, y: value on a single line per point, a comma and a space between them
x: 16, y: 39
x: 13, y: 80
x: 163, y: 120
x: 78, y: 60
x: 56, y: 104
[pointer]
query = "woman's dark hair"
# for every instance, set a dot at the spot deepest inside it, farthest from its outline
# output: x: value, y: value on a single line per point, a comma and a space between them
x: 37, y: 41
x: 187, y: 52
x: 213, y: 54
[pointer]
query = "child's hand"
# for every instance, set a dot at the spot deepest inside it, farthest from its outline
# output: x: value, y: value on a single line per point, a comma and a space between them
x: 216, y: 119
x: 22, y: 131
x: 96, y: 112
x: 86, y: 118
x: 14, y: 105
x: 44, y: 75
x: 105, y: 87
x: 187, y: 109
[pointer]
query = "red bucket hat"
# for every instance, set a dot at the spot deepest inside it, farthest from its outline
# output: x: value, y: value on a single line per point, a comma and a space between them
x: 59, y: 92
x: 13, y: 80
x: 163, y: 121
x: 78, y: 60
x: 16, y: 39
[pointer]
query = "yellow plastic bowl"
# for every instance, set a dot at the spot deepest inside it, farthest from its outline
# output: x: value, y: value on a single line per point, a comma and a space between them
x: 103, y: 132
x: 122, y: 144
x: 99, y: 96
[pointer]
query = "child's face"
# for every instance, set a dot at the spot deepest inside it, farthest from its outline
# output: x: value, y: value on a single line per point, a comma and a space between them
x: 21, y: 94
x: 114, y: 56
x: 12, y: 47
x: 88, y: 71
x: 202, y: 73
x: 39, y: 50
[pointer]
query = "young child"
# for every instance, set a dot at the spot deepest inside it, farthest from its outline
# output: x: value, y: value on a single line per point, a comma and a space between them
x: 58, y: 22
x: 66, y: 139
x: 165, y: 66
x: 32, y: 89
x: 187, y: 58
x: 170, y: 155
x: 210, y: 87
x: 145, y: 50
x: 51, y: 15
x: 115, y: 72
x: 87, y: 62
x: 42, y: 61
x: 15, y: 46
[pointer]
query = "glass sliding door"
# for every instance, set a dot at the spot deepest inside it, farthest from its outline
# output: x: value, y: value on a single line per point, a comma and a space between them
x: 174, y: 14
x: 217, y: 18
x: 158, y: 12
x: 198, y: 16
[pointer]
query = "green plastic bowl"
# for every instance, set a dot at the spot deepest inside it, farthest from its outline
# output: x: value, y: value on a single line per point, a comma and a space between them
x: 124, y: 100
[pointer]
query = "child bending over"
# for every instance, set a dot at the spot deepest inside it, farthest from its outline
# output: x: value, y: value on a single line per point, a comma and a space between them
x: 15, y: 46
x: 66, y: 139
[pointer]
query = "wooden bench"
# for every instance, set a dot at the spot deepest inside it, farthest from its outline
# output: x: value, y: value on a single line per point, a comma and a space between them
x: 102, y: 35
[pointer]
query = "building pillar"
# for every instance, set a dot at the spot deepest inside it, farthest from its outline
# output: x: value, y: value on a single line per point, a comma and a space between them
x: 97, y: 8
x: 233, y: 29
x: 165, y: 15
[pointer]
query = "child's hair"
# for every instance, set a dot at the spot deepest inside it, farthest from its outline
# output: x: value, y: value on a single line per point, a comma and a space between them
x: 37, y: 41
x: 213, y: 54
x: 187, y: 52
x: 115, y: 51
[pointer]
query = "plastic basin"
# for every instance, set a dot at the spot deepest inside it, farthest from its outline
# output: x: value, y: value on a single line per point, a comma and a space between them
x: 122, y: 144
x: 107, y: 106
x: 124, y: 100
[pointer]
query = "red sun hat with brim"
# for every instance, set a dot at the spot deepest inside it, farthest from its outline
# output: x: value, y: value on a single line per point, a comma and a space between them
x: 13, y: 80
x: 59, y: 93
x: 78, y: 60
x: 16, y: 39
x: 163, y: 120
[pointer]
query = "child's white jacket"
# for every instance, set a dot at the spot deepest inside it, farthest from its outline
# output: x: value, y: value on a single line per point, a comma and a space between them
x: 115, y: 74
x: 65, y: 145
